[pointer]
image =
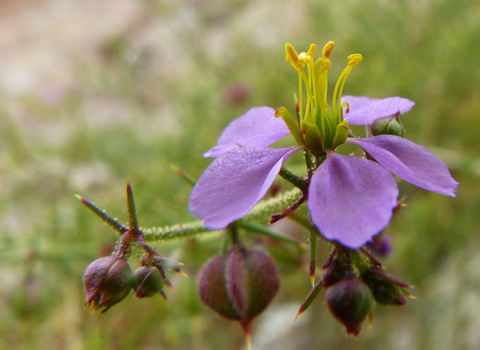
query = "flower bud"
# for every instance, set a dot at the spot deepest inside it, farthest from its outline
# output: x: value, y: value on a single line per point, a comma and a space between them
x: 107, y: 281
x: 240, y: 284
x: 386, y: 290
x: 147, y: 281
x: 350, y: 301
x: 389, y: 126
x: 381, y: 244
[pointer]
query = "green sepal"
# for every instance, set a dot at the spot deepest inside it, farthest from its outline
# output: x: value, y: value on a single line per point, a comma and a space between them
x: 341, y: 134
x: 292, y: 124
x: 312, y: 137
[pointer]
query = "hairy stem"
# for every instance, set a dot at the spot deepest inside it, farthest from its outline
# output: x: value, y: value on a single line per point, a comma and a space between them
x: 261, y: 212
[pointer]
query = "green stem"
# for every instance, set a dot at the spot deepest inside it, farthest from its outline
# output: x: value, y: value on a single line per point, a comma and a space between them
x: 110, y: 221
x: 233, y: 233
x: 178, y: 231
x: 309, y: 161
x: 269, y: 233
x: 313, y: 256
x: 294, y: 179
x: 185, y: 177
x: 132, y: 212
x: 303, y: 221
x: 262, y: 212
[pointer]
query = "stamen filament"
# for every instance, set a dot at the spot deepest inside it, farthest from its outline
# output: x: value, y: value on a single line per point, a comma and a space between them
x: 353, y: 60
x: 308, y: 91
x: 320, y: 125
x: 339, y: 86
x: 300, y: 97
x: 311, y: 73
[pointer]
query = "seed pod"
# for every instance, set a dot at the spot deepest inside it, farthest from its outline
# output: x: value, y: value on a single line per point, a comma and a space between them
x: 350, y: 301
x: 107, y: 281
x: 240, y: 284
x: 147, y: 281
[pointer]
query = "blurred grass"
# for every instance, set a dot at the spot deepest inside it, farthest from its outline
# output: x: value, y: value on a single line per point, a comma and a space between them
x: 135, y: 110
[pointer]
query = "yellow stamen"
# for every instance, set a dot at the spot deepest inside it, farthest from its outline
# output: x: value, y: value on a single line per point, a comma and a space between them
x: 327, y: 49
x: 291, y: 55
x: 297, y: 62
x: 353, y: 60
x: 311, y: 50
x: 322, y: 82
x: 305, y: 60
x: 321, y: 125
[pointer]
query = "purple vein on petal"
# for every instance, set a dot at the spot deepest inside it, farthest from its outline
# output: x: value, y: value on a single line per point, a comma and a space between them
x: 409, y: 161
x: 257, y: 128
x: 234, y: 182
x: 351, y: 199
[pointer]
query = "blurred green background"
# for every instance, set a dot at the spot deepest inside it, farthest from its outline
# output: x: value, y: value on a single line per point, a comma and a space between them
x: 95, y: 94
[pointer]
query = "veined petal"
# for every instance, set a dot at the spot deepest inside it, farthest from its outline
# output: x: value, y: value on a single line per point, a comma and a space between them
x: 409, y: 161
x: 364, y: 110
x: 234, y: 182
x: 257, y: 128
x: 351, y: 199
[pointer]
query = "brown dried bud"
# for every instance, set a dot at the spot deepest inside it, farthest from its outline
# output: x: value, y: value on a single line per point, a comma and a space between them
x: 350, y: 301
x: 147, y: 281
x: 107, y: 281
x: 240, y: 284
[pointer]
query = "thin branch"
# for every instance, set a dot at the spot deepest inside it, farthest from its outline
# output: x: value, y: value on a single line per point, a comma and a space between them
x: 110, y: 221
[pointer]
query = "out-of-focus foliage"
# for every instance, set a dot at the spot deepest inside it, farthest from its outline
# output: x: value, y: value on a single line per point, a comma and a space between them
x: 159, y: 93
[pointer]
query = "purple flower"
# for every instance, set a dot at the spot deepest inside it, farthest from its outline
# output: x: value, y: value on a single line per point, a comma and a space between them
x: 350, y: 199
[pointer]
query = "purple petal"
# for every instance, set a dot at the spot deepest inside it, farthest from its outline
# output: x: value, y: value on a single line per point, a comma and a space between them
x: 235, y: 181
x: 356, y: 102
x: 409, y: 161
x: 257, y: 128
x: 351, y: 199
x: 364, y: 110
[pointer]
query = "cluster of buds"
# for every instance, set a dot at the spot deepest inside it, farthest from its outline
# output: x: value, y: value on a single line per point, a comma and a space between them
x: 109, y: 279
x: 355, y: 284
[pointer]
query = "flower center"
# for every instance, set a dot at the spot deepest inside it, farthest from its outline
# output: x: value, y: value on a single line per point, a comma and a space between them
x: 319, y: 126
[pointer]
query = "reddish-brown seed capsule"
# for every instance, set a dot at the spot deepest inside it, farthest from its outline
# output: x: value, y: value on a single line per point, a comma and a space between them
x: 107, y: 281
x: 240, y: 284
x: 350, y: 301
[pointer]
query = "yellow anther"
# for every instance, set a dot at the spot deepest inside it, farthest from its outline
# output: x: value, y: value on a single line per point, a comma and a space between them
x: 327, y: 49
x: 354, y: 59
x: 290, y: 54
x: 324, y: 63
x: 311, y: 51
